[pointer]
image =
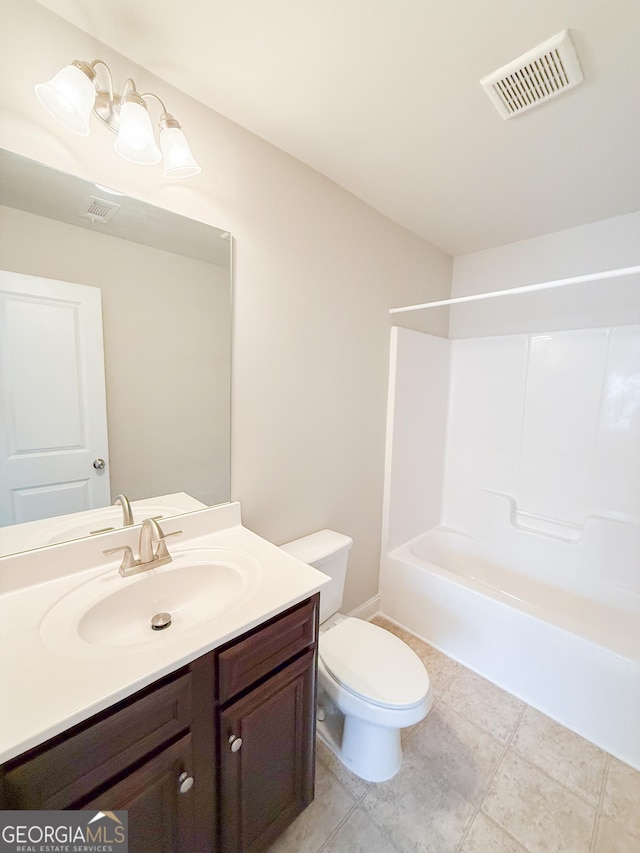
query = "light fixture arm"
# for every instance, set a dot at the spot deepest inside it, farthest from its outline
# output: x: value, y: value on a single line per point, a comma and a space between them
x: 108, y: 70
x: 159, y: 100
x: 129, y: 87
x: 166, y: 119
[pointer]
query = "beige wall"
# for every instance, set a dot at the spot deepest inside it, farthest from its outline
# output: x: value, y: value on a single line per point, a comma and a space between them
x: 159, y: 310
x: 315, y: 273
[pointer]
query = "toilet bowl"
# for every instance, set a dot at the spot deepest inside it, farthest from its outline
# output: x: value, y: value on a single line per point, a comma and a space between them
x: 370, y: 683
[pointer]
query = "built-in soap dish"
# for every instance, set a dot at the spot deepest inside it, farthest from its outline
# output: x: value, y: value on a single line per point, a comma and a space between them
x: 529, y: 522
x: 561, y: 530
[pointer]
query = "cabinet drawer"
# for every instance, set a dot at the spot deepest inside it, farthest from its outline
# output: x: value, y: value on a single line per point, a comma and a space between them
x: 247, y: 661
x: 79, y: 762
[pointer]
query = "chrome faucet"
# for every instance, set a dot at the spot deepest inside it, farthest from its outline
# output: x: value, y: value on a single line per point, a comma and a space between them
x: 127, y: 514
x: 152, y: 549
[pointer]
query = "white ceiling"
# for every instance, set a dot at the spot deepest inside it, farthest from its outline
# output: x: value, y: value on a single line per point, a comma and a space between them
x: 383, y: 97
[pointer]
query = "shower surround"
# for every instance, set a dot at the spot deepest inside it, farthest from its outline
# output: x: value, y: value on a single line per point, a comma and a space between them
x: 512, y: 516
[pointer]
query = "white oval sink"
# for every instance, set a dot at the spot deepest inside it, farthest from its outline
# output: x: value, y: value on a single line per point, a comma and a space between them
x: 112, y: 612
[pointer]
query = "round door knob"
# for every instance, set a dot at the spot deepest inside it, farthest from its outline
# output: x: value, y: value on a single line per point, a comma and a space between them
x: 99, y: 464
x: 235, y: 743
x: 185, y: 782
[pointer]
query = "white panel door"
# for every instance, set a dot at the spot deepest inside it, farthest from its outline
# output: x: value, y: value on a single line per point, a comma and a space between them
x: 53, y: 418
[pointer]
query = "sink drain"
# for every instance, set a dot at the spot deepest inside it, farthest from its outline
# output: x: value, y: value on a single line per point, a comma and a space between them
x: 160, y: 621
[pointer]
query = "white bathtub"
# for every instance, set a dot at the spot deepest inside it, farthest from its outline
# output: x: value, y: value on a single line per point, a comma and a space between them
x: 575, y: 658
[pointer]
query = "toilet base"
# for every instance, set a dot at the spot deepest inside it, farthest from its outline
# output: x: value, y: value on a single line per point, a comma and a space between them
x: 371, y: 752
x: 374, y: 753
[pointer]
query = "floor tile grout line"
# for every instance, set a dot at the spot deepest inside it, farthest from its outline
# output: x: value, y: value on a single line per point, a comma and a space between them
x: 384, y: 832
x: 502, y: 829
x: 352, y: 808
x: 580, y: 796
x: 455, y: 676
x: 603, y: 787
x: 353, y: 796
x: 478, y: 725
x: 569, y: 790
x: 337, y: 829
x: 356, y: 805
x: 368, y: 814
x: 492, y: 776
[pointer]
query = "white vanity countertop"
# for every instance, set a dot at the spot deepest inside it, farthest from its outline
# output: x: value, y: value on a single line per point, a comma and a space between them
x: 45, y: 691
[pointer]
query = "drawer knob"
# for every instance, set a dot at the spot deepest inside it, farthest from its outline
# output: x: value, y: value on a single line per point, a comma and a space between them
x: 185, y: 782
x: 235, y: 743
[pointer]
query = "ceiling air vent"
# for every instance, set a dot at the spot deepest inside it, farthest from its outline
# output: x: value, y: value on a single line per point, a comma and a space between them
x: 100, y: 210
x: 535, y: 77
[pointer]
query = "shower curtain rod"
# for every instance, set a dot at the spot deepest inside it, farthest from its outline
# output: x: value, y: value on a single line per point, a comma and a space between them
x: 527, y: 288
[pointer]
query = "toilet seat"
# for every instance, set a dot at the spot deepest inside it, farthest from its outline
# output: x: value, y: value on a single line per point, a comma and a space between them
x: 373, y: 664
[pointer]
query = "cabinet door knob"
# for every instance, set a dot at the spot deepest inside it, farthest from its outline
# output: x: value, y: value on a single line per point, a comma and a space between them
x: 185, y: 782
x: 235, y: 743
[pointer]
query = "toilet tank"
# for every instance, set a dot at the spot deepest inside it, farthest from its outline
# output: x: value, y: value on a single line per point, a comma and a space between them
x: 328, y: 552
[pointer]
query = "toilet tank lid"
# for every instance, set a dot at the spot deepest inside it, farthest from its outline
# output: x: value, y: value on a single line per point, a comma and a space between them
x: 318, y: 546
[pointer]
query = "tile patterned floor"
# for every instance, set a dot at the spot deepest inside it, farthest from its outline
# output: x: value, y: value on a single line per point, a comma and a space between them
x: 483, y: 773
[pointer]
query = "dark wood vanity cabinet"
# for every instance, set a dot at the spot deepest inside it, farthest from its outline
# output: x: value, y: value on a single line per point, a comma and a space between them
x: 218, y: 756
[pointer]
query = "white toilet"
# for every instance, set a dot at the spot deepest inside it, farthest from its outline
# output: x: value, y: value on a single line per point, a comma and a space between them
x: 370, y: 683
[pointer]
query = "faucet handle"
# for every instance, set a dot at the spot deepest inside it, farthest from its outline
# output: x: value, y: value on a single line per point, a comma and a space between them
x: 161, y: 546
x: 128, y: 560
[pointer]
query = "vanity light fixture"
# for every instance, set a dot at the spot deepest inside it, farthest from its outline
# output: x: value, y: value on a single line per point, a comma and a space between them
x: 74, y: 93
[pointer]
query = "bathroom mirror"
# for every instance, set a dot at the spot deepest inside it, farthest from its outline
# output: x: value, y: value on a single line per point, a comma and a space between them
x: 164, y: 285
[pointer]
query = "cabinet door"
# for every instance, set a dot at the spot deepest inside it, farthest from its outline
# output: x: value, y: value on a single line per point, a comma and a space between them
x: 267, y: 777
x: 161, y: 818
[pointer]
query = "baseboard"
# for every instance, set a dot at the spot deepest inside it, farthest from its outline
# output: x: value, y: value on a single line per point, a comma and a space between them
x: 367, y: 610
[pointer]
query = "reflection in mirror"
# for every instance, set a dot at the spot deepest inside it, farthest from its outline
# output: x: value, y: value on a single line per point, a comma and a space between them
x: 115, y: 346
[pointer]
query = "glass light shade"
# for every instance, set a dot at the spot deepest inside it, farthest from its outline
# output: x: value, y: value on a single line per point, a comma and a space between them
x: 176, y: 154
x: 69, y: 97
x: 136, y: 141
